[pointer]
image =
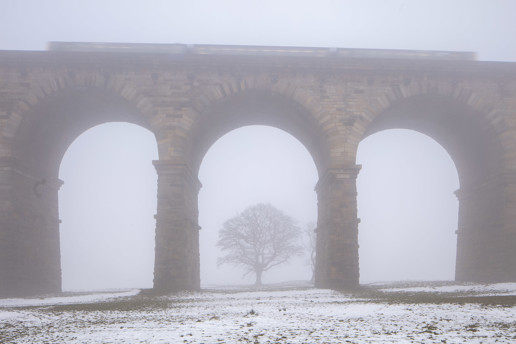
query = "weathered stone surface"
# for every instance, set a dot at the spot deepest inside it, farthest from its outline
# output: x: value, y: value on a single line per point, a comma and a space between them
x: 189, y: 96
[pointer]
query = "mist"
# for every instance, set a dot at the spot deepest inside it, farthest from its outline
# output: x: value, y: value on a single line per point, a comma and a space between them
x: 407, y: 207
x: 251, y: 165
x: 107, y: 205
x: 406, y: 203
x: 405, y: 189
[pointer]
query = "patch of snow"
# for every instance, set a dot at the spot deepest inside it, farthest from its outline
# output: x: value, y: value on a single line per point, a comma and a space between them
x: 9, y: 315
x: 264, y: 316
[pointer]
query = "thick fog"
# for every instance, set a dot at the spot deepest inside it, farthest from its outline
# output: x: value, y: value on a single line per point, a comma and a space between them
x: 248, y: 166
x: 405, y: 188
x: 106, y: 206
x: 407, y: 207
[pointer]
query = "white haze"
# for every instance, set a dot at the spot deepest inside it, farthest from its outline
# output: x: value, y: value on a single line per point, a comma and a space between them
x: 106, y: 206
x: 251, y: 165
x: 407, y: 207
x: 406, y: 204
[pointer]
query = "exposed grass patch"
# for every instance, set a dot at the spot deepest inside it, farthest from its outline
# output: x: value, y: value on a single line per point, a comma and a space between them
x: 435, y: 298
x: 379, y: 294
x: 129, y: 304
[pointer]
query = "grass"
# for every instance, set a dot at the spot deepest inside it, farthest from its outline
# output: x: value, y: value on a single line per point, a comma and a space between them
x: 147, y: 300
x: 181, y: 313
x: 377, y: 293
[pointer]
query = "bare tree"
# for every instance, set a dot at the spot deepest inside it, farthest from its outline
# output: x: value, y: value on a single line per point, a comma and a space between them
x: 258, y: 239
x: 310, y: 245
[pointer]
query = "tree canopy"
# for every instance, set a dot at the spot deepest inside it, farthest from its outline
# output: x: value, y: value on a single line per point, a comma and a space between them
x: 258, y: 239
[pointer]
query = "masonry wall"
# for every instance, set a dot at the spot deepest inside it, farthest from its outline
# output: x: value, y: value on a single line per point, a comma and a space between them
x: 330, y: 104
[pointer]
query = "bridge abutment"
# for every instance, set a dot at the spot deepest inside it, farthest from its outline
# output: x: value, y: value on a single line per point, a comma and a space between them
x: 487, y: 231
x: 176, y: 265
x: 30, y: 261
x: 337, y: 229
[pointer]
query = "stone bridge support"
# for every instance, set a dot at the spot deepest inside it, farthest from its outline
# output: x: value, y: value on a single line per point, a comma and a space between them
x: 486, y: 231
x: 508, y: 233
x: 188, y: 96
x: 176, y: 265
x: 337, y: 229
x: 29, y: 232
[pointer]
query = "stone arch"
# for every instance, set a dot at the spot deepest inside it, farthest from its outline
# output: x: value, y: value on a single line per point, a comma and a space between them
x: 58, y: 119
x: 468, y: 127
x: 53, y: 118
x: 257, y: 107
x: 177, y: 237
x: 463, y: 131
x: 78, y: 81
x: 74, y: 102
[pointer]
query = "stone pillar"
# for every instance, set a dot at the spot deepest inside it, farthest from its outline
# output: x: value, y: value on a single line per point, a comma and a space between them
x: 337, y: 229
x: 507, y: 240
x: 8, y: 274
x: 30, y: 261
x: 486, y: 235
x: 176, y: 265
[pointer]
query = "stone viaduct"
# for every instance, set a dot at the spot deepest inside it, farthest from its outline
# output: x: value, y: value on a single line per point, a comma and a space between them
x: 189, y: 96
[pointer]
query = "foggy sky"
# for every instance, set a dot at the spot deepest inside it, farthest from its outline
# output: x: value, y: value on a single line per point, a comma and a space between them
x: 107, y: 238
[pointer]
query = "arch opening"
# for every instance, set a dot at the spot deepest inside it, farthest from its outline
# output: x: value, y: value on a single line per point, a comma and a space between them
x: 44, y: 134
x: 473, y: 145
x: 106, y: 206
x: 250, y: 165
x: 407, y: 207
x: 258, y: 107
x: 462, y: 131
x: 52, y: 125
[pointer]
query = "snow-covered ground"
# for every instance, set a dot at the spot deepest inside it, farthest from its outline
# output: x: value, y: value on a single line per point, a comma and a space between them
x: 382, y: 313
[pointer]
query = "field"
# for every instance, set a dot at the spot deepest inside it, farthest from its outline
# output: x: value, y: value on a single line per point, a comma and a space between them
x: 436, y: 312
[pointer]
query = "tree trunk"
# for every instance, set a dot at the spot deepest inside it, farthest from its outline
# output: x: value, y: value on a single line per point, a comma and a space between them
x: 258, y: 281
